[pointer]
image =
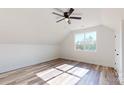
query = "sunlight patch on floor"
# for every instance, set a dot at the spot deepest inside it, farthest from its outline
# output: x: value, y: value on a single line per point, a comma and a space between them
x: 64, y: 79
x: 63, y: 75
x: 48, y: 74
x: 65, y: 67
x: 80, y: 72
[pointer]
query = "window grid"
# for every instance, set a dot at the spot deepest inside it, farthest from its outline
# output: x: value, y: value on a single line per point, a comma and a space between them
x: 88, y: 40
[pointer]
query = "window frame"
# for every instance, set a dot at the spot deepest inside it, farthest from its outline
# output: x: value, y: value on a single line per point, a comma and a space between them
x: 84, y: 32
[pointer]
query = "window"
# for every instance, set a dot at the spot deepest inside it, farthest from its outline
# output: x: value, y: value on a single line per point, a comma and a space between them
x: 85, y: 41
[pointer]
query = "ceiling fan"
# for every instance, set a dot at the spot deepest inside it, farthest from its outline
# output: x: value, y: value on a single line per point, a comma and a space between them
x: 66, y: 15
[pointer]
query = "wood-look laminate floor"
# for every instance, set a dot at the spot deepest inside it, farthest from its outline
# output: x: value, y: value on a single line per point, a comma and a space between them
x: 61, y: 72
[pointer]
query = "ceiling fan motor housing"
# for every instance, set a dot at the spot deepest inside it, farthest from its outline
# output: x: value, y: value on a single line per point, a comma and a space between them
x: 66, y: 14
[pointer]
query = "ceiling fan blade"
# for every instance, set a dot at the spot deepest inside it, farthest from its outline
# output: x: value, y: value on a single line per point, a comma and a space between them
x: 75, y: 18
x: 60, y: 20
x: 69, y: 21
x: 59, y: 10
x: 57, y: 14
x: 71, y: 11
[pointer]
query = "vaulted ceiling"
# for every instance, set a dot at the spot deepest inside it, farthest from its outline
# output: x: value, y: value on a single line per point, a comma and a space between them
x: 38, y: 26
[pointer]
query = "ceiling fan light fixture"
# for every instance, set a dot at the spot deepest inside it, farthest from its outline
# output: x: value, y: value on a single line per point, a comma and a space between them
x: 66, y: 19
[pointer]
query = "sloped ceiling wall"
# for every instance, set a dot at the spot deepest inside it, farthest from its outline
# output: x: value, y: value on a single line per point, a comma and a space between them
x: 38, y: 26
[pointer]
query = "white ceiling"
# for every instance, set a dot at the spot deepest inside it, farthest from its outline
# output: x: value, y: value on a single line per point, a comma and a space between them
x: 38, y: 26
x: 30, y: 26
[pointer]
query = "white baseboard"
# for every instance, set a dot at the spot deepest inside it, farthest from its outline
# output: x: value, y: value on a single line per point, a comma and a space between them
x: 85, y: 61
x: 121, y: 79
